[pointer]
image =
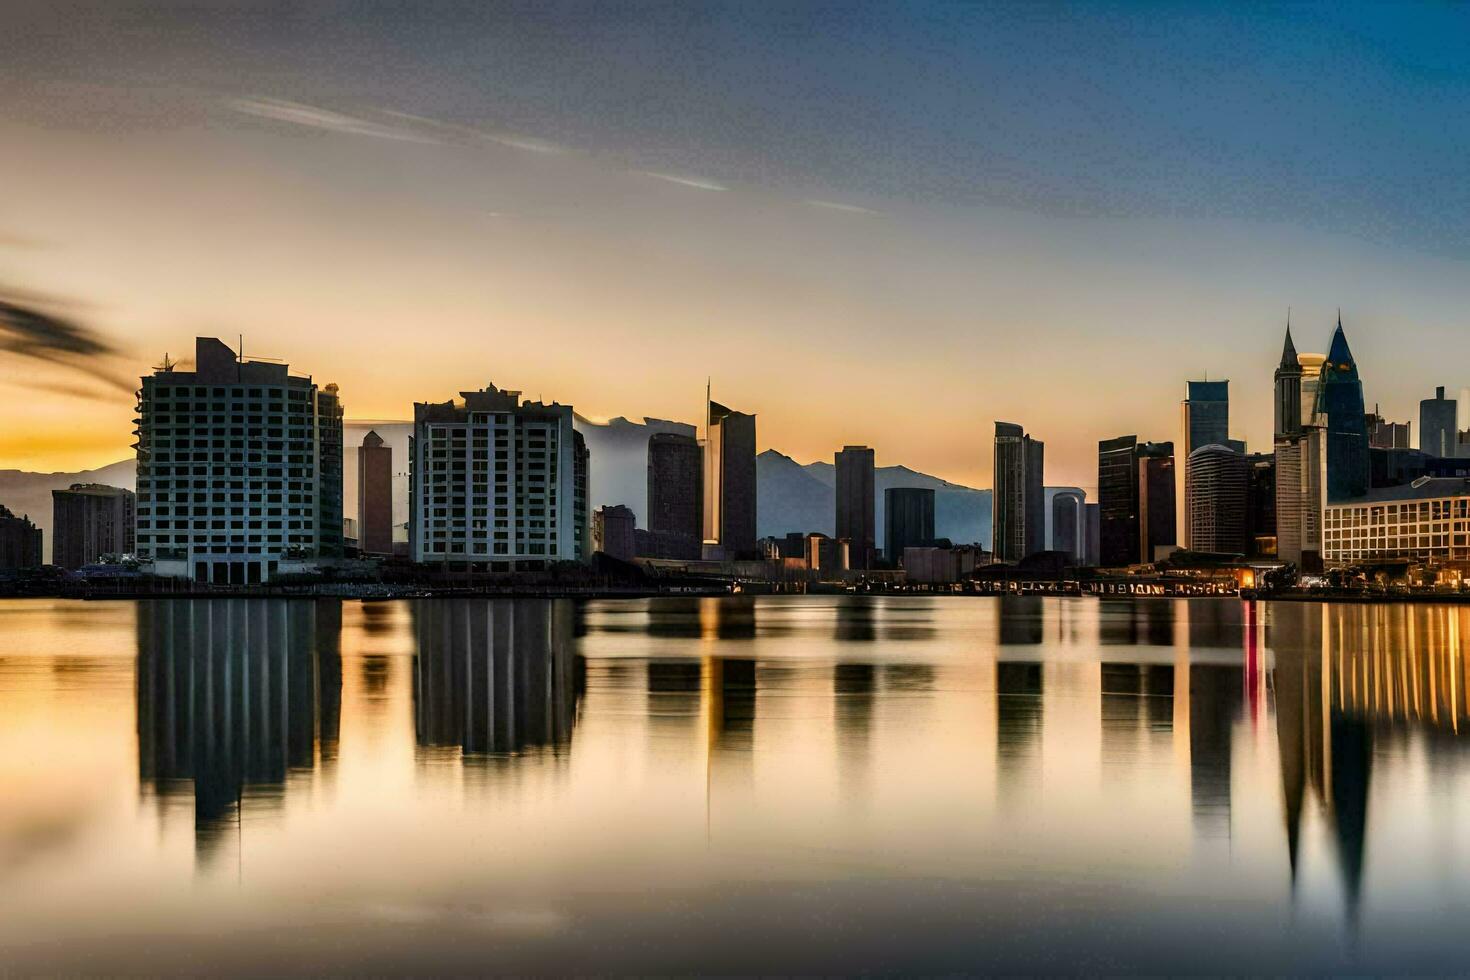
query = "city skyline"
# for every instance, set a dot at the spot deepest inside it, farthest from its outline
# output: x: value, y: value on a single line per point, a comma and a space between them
x: 528, y: 210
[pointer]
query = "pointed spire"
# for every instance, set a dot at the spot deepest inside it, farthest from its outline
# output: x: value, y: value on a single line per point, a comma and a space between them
x: 1288, y: 352
x: 1339, y: 355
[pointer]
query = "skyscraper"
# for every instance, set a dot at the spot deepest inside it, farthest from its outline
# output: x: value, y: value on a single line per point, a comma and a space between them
x: 908, y: 519
x: 374, y: 496
x: 239, y: 469
x: 90, y: 520
x: 1437, y: 424
x: 675, y: 496
x: 1347, y: 429
x: 729, y: 484
x: 1018, y: 498
x: 1261, y: 504
x: 1300, y: 449
x: 1206, y: 412
x: 1157, y: 528
x: 855, y: 503
x: 496, y: 484
x: 1217, y: 500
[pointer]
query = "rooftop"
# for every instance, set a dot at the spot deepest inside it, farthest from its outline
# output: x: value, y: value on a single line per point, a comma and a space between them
x: 1424, y: 488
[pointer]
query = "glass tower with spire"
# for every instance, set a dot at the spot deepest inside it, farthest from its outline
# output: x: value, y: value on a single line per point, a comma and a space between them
x: 1341, y: 395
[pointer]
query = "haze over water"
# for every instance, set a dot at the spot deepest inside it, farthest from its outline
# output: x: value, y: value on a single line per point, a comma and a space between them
x: 799, y: 784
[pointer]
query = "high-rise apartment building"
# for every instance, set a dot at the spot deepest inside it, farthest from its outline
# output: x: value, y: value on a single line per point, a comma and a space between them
x: 20, y: 541
x: 374, y: 496
x: 496, y: 484
x: 90, y: 520
x: 1018, y: 497
x: 675, y: 496
x: 729, y: 484
x: 908, y: 520
x: 1437, y: 425
x: 854, y: 471
x: 1217, y: 500
x: 239, y: 469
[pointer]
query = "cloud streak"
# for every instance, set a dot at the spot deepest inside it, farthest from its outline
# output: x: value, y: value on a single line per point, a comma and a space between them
x: 836, y: 206
x: 698, y: 183
x: 311, y: 117
x: 531, y: 144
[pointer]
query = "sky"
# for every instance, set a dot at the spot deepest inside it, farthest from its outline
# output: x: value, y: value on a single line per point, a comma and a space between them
x: 888, y: 224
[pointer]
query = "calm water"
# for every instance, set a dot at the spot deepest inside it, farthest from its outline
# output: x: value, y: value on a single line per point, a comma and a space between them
x: 792, y: 784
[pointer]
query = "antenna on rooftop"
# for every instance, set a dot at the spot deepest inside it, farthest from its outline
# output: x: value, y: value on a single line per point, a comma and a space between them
x: 166, y: 366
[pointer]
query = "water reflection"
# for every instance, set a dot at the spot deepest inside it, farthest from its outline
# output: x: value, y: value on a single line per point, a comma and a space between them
x: 495, y: 676
x: 233, y: 696
x: 810, y: 784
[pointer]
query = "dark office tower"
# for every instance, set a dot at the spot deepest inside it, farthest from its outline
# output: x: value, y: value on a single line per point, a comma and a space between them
x: 1217, y: 500
x: 1288, y: 389
x: 908, y: 519
x: 1156, y: 517
x: 675, y: 496
x: 1018, y: 498
x: 1206, y: 423
x: 329, y: 505
x: 1117, y: 497
x: 1069, y: 524
x: 88, y: 521
x: 1347, y: 430
x: 1260, y: 504
x: 1437, y: 424
x: 20, y: 541
x: 855, y: 502
x: 1094, y: 534
x: 374, y: 496
x: 729, y: 483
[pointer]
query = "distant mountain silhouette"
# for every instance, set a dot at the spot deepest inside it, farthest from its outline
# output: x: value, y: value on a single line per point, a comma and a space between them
x: 619, y: 460
x: 802, y: 497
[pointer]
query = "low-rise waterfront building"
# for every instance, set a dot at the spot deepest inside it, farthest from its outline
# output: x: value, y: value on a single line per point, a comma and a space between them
x: 1426, y: 521
x: 88, y: 521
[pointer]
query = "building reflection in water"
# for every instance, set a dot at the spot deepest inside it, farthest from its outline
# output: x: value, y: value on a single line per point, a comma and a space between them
x: 495, y: 677
x: 232, y: 696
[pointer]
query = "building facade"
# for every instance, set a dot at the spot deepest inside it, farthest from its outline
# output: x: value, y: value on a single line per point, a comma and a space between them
x: 908, y: 520
x: 496, y: 484
x: 854, y: 471
x: 1206, y: 422
x: 20, y: 542
x: 1260, y: 505
x: 1426, y: 521
x: 90, y: 520
x: 1018, y: 496
x: 1217, y: 500
x: 374, y: 496
x: 729, y: 484
x: 612, y: 532
x: 675, y: 496
x: 239, y: 470
x: 1301, y: 458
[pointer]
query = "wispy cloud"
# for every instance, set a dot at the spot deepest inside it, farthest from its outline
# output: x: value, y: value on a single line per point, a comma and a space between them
x: 699, y: 183
x: 312, y: 117
x: 837, y: 206
x: 516, y: 141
